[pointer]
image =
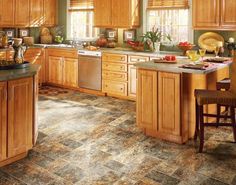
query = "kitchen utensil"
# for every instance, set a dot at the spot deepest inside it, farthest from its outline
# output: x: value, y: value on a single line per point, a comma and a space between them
x: 209, y: 39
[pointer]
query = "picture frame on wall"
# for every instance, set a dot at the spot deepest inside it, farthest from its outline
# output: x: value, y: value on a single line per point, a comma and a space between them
x: 112, y: 34
x: 10, y: 32
x: 23, y: 32
x: 129, y: 34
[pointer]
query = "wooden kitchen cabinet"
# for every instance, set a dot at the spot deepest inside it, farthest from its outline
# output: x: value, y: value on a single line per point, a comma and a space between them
x: 132, y: 81
x: 119, y: 14
x: 22, y: 13
x: 214, y: 14
x: 3, y: 120
x: 36, y: 13
x: 102, y: 13
x: 37, y: 56
x: 70, y: 72
x: 7, y: 9
x: 114, y: 75
x: 147, y: 100
x: 20, y: 135
x: 159, y: 104
x: 228, y: 14
x: 50, y: 12
x: 132, y: 74
x: 62, y: 67
x: 169, y: 100
x: 55, y: 67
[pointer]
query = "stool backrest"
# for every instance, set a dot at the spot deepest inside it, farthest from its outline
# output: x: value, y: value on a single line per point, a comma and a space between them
x: 233, y: 76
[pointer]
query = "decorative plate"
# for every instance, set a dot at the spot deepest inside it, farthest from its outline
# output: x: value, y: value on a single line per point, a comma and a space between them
x: 208, y: 40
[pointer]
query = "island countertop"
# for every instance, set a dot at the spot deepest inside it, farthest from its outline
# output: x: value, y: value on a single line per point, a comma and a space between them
x: 176, y: 67
x: 6, y: 75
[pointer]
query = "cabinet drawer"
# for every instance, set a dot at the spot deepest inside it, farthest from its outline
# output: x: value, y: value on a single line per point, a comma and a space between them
x: 111, y: 57
x: 110, y: 75
x: 114, y: 67
x: 134, y: 59
x: 114, y: 88
x: 3, y: 55
x: 70, y: 53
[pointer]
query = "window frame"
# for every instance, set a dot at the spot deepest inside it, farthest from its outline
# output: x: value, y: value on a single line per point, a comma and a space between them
x: 68, y: 27
x: 190, y: 30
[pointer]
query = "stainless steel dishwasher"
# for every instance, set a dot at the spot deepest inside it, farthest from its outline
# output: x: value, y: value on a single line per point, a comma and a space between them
x: 90, y: 69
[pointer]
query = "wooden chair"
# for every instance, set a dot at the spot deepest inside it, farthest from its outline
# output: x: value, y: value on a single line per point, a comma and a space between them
x: 206, y: 97
x: 225, y: 86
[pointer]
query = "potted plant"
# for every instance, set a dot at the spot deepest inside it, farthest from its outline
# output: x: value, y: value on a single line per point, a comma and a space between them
x: 152, y: 39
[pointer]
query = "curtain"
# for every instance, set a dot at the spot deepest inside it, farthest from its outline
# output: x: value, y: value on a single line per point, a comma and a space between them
x: 168, y: 4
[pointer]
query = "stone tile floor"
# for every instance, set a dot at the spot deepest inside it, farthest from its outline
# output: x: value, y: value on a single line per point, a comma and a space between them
x: 85, y: 139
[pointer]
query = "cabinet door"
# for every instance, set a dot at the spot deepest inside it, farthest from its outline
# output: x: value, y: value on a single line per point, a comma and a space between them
x: 228, y: 14
x: 7, y: 12
x: 20, y: 119
x: 121, y: 13
x: 132, y: 81
x: 22, y: 9
x: 36, y: 56
x: 206, y: 14
x: 102, y: 13
x: 70, y: 72
x: 169, y: 88
x: 147, y: 100
x: 36, y: 13
x: 3, y: 120
x: 55, y: 70
x: 50, y: 12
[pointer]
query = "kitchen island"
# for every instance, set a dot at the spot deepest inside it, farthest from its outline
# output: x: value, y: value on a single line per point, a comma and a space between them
x: 18, y: 112
x: 165, y: 97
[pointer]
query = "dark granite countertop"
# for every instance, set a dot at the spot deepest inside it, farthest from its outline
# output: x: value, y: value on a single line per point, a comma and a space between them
x: 32, y: 70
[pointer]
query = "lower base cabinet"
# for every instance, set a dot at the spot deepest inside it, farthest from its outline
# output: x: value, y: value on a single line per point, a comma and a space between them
x: 3, y: 121
x: 159, y: 104
x: 63, y: 71
x: 17, y: 118
x: 20, y: 119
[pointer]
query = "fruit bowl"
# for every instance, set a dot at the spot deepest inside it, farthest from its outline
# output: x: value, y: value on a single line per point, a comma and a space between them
x: 185, y: 46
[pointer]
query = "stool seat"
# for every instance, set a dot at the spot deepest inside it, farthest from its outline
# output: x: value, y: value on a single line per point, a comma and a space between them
x: 205, y: 97
x: 223, y: 84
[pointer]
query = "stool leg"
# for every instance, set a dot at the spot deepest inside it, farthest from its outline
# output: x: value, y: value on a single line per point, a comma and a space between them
x: 197, y: 121
x: 232, y: 115
x: 218, y: 115
x: 201, y: 129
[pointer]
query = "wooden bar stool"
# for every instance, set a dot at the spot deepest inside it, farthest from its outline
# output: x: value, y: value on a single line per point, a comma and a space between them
x: 207, y: 97
x: 225, y: 86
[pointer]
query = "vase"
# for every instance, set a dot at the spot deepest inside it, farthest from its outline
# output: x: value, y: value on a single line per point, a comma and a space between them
x: 157, y: 46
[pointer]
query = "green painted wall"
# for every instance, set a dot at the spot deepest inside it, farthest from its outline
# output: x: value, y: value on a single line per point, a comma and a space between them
x: 62, y: 21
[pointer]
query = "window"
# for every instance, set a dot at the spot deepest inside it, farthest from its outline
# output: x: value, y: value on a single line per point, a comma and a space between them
x: 171, y: 17
x: 80, y: 20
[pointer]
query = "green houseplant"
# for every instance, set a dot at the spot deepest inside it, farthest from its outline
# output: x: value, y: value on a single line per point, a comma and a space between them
x: 152, y: 39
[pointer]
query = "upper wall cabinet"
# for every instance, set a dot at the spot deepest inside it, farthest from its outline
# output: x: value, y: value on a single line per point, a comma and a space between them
x: 50, y: 12
x: 116, y: 13
x: 214, y: 14
x: 7, y: 14
x: 22, y: 13
x: 36, y: 13
x: 28, y: 13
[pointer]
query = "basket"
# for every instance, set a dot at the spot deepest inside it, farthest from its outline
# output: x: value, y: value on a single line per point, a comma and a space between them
x: 29, y: 41
x: 46, y: 39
